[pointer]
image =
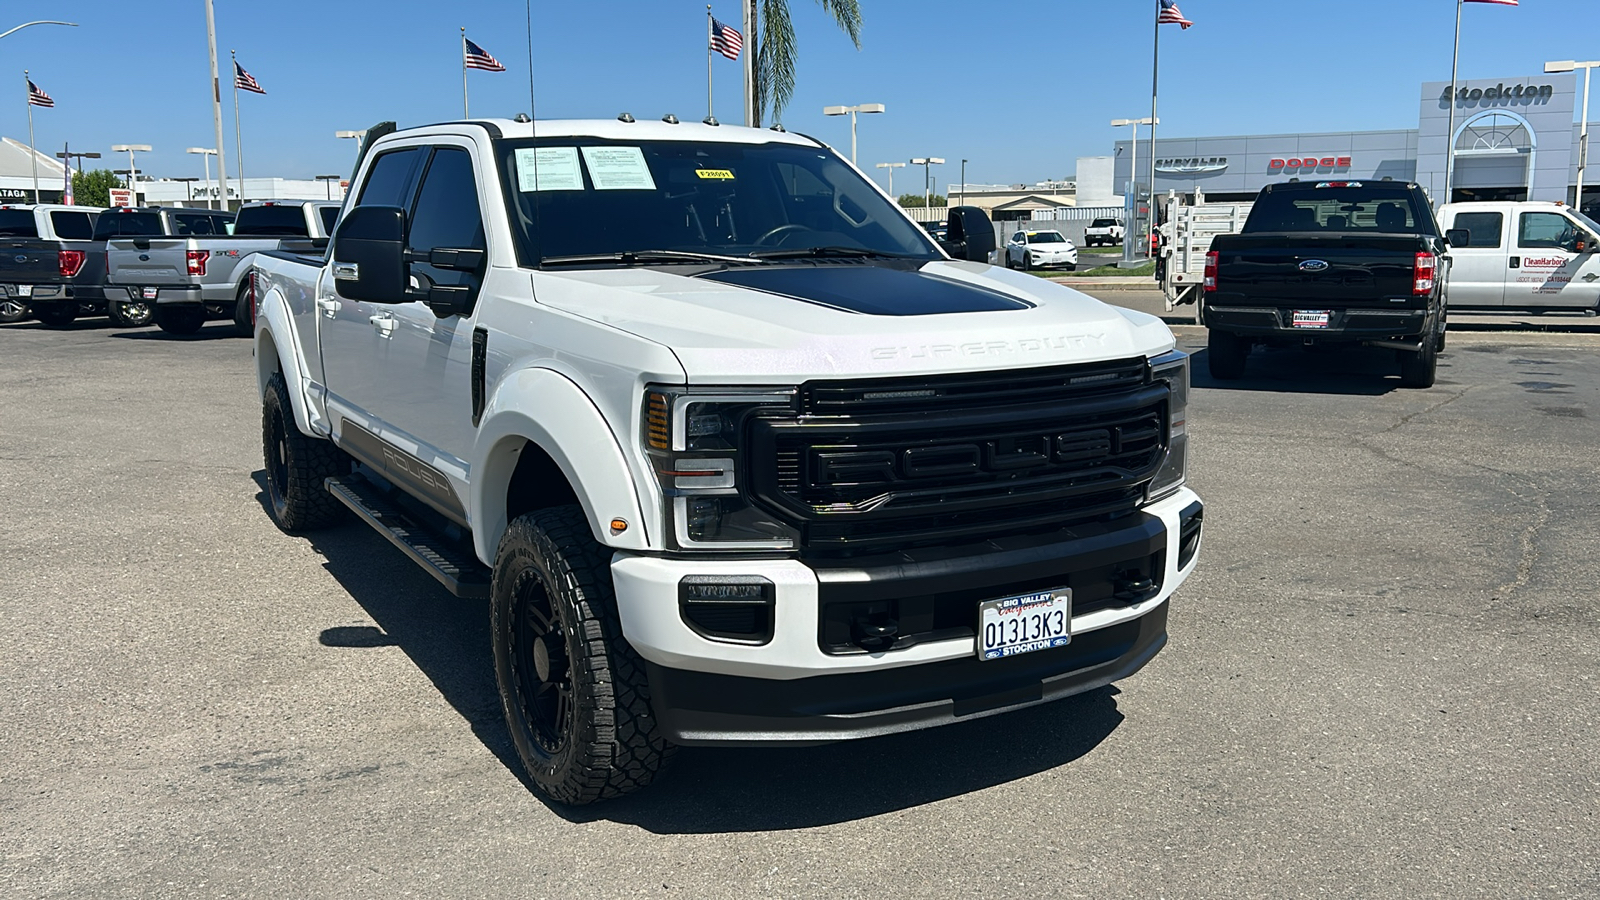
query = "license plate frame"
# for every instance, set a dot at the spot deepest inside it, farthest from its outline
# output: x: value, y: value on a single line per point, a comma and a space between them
x: 1310, y: 318
x: 24, y: 290
x: 1024, y: 623
x: 149, y: 293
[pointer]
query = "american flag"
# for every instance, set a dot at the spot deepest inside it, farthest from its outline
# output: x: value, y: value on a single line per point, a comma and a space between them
x: 479, y: 58
x: 37, y: 97
x: 1171, y: 15
x: 1501, y: 2
x: 243, y: 80
x: 726, y: 40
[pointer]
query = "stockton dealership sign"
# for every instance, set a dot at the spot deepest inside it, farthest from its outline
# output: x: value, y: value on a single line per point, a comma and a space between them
x: 1517, y: 93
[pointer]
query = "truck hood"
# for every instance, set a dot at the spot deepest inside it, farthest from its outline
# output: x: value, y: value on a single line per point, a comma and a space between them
x: 765, y: 325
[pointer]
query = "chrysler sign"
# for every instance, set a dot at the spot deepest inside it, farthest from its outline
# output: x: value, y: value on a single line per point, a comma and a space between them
x: 1192, y: 165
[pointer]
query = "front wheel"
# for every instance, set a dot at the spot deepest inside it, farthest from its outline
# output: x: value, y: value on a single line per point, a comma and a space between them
x: 180, y: 320
x: 12, y: 311
x: 1226, y: 353
x: 575, y: 694
x: 130, y: 313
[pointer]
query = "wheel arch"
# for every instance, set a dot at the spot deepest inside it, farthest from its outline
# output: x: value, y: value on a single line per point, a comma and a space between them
x: 276, y: 353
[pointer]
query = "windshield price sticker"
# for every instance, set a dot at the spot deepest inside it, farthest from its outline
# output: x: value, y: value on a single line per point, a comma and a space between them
x: 618, y: 169
x: 1013, y: 625
x: 548, y: 169
x: 714, y: 174
x: 1310, y: 318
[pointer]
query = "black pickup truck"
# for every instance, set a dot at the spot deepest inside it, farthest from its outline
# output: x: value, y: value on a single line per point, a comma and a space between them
x: 1330, y: 262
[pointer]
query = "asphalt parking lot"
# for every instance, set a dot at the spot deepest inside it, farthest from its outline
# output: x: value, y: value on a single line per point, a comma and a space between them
x: 1381, y: 683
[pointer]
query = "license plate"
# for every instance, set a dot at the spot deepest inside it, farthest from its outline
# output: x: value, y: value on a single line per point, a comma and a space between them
x: 150, y: 293
x: 1310, y: 318
x: 24, y: 290
x: 1025, y: 623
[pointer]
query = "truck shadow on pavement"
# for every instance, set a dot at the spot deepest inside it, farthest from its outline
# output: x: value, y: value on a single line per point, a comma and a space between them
x: 705, y: 790
x: 212, y: 331
x: 1360, y: 371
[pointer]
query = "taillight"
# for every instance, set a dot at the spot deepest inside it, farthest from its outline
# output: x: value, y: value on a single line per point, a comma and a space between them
x: 1422, y: 274
x: 1211, y: 271
x: 197, y: 261
x: 70, y: 261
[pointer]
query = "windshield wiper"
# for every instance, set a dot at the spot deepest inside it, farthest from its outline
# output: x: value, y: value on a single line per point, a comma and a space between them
x: 828, y: 251
x: 639, y: 257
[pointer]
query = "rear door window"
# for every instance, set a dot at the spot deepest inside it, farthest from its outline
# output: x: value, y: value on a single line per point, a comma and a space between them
x: 1484, y: 228
x: 18, y: 223
x: 72, y: 226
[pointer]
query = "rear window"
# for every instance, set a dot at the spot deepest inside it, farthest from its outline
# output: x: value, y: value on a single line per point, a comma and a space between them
x: 199, y: 224
x: 1371, y: 209
x: 128, y: 224
x: 18, y: 223
x: 278, y: 221
x: 1103, y: 223
x: 72, y: 226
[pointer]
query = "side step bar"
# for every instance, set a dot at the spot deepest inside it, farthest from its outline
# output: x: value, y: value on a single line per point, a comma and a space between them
x: 460, y: 573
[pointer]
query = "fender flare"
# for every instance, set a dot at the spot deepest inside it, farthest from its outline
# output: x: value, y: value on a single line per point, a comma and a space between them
x: 276, y: 350
x: 545, y: 408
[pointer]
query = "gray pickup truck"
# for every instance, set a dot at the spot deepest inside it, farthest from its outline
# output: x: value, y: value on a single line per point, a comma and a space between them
x: 187, y: 280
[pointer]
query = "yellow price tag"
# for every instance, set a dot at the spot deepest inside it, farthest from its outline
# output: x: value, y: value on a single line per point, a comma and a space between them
x: 714, y: 174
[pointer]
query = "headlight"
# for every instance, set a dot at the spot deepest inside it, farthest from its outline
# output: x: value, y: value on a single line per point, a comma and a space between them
x: 693, y: 439
x: 1173, y: 368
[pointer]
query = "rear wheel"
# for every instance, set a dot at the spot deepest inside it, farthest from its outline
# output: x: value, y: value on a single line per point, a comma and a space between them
x: 180, y: 320
x: 12, y: 310
x: 57, y: 315
x: 1226, y: 353
x: 297, y: 466
x: 244, y: 315
x: 130, y: 313
x: 1418, y: 368
x: 575, y: 694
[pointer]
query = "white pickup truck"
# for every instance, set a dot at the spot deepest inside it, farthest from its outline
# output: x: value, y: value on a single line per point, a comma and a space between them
x: 1103, y: 233
x: 737, y: 453
x: 190, y: 279
x: 1523, y: 255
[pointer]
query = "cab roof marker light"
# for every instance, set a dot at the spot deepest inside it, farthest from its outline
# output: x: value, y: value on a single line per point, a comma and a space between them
x: 1338, y: 184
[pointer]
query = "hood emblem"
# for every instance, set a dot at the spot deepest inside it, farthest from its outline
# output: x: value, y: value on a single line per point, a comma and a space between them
x: 1313, y: 265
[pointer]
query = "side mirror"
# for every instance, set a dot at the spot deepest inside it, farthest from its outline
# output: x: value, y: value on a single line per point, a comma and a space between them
x: 969, y: 234
x: 368, y: 253
x: 1458, y: 237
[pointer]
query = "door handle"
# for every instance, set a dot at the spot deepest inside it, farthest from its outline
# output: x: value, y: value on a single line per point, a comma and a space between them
x: 1516, y: 261
x: 384, y: 322
x: 328, y: 305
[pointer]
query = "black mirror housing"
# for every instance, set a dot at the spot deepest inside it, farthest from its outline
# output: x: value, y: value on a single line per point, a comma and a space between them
x: 1458, y: 237
x: 969, y: 234
x: 368, y: 253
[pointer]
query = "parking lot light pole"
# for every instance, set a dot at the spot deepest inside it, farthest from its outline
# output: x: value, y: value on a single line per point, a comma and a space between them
x: 205, y: 154
x: 927, y: 174
x: 356, y: 136
x: 1567, y: 65
x: 133, y: 186
x: 851, y: 111
x: 891, y: 167
x: 327, y: 183
x: 1133, y: 180
x: 963, y: 183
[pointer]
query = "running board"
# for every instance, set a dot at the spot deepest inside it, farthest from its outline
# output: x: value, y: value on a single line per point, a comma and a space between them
x: 459, y: 572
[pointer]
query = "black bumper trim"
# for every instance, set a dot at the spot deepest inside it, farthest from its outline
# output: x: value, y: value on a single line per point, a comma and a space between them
x: 1350, y: 323
x: 697, y: 708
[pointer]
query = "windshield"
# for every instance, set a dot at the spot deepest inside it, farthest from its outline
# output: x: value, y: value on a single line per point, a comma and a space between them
x: 581, y: 197
x: 1046, y: 237
x: 1372, y: 208
x: 1588, y: 223
x: 18, y: 223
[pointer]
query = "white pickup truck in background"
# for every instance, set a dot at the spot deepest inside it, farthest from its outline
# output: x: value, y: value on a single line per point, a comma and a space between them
x: 1103, y: 233
x: 191, y: 279
x: 737, y: 453
x: 1531, y: 255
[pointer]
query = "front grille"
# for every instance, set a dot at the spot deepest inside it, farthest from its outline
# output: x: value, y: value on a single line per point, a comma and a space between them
x: 899, y: 462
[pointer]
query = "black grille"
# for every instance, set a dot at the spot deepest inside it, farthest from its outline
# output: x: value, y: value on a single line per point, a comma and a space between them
x: 891, y: 464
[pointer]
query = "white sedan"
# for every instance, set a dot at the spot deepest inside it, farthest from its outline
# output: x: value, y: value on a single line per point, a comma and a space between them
x: 1040, y: 250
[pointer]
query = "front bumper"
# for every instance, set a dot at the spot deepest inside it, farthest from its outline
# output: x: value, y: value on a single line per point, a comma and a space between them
x: 1343, y: 324
x: 794, y: 689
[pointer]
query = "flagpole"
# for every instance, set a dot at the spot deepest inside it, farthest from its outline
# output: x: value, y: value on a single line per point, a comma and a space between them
x: 1450, y: 129
x: 216, y: 106
x: 752, y: 116
x: 238, y: 142
x: 466, y: 112
x: 711, y: 109
x: 32, y: 155
x: 1155, y: 74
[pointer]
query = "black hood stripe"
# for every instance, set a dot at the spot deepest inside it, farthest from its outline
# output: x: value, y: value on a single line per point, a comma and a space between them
x: 869, y: 289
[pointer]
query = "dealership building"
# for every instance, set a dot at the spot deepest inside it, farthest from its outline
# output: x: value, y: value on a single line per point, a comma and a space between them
x: 1515, y: 139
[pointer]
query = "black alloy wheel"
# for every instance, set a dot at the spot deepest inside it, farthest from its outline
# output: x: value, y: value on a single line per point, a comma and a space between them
x: 130, y: 313
x: 297, y: 467
x: 540, y: 664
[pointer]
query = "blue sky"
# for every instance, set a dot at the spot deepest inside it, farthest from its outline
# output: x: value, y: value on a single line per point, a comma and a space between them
x: 1019, y: 89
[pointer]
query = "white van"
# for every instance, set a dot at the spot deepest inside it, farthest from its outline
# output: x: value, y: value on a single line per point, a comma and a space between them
x: 1523, y: 255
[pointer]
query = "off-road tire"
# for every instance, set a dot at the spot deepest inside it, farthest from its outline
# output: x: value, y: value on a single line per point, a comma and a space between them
x: 1226, y: 354
x: 243, y: 316
x: 297, y: 466
x: 130, y: 313
x: 57, y: 315
x: 583, y: 728
x: 180, y: 320
x: 1418, y: 368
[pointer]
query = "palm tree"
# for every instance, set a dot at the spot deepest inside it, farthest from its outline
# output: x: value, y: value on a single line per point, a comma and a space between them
x: 777, y: 49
